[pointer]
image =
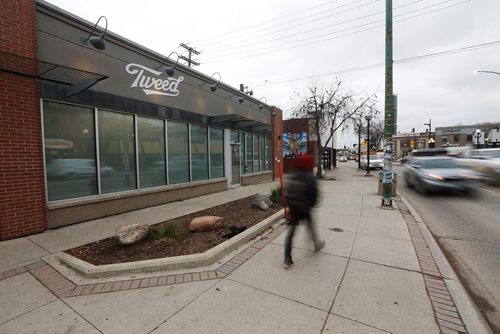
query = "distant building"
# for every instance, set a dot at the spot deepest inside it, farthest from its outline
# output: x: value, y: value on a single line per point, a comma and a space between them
x: 408, y: 141
x: 461, y: 135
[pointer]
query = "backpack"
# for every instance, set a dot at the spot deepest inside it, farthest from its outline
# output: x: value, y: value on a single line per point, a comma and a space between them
x: 298, y: 191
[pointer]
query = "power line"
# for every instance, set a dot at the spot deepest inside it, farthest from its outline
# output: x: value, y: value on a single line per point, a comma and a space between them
x: 399, y: 61
x: 330, y: 26
x: 281, y: 28
x: 265, y: 22
x: 258, y: 53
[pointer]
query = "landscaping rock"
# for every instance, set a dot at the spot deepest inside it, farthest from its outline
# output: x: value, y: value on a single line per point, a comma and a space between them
x: 206, y: 223
x: 262, y: 201
x: 130, y: 234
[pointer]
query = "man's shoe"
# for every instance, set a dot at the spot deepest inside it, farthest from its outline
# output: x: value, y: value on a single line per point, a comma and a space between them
x: 319, y: 246
x: 288, y: 262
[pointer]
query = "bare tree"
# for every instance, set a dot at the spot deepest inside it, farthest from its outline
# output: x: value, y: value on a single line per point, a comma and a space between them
x: 329, y: 107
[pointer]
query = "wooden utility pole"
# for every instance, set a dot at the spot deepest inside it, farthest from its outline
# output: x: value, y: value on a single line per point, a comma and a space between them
x: 191, y: 51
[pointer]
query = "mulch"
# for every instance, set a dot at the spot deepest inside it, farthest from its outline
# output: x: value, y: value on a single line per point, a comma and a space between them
x: 238, y: 213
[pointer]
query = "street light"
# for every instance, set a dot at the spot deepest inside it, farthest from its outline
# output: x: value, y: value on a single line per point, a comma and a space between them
x: 430, y: 127
x: 478, y: 135
x: 431, y: 142
x: 492, y: 72
x: 368, y: 119
x: 359, y: 123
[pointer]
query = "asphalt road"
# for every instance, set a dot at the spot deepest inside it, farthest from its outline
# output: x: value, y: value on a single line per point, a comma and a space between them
x: 467, y: 227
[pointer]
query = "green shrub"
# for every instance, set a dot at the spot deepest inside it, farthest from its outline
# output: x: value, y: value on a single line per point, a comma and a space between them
x: 276, y: 196
x: 168, y: 230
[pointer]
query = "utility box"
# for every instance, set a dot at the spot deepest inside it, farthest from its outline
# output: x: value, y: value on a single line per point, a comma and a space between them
x: 382, y: 187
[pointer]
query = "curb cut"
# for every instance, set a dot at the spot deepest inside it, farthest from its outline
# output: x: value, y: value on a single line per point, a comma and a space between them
x: 173, y: 263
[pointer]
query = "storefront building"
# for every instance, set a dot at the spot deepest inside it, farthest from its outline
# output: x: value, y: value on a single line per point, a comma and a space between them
x: 90, y: 131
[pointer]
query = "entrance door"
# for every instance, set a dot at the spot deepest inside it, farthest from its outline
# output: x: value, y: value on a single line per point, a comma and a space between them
x: 235, y: 164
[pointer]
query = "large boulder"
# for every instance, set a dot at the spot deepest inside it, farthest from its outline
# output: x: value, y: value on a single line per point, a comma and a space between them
x: 262, y: 201
x: 206, y: 223
x: 130, y: 234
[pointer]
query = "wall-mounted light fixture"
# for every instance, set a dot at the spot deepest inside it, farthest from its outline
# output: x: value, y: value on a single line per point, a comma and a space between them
x: 261, y: 106
x: 96, y: 41
x: 170, y: 70
x: 241, y: 99
x: 213, y: 87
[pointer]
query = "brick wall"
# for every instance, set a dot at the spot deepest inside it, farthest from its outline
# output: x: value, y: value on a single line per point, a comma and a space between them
x: 22, y: 192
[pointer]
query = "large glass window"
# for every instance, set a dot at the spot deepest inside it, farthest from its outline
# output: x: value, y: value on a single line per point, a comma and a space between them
x: 69, y: 151
x: 116, y: 151
x: 249, y: 153
x: 268, y: 154
x: 151, y: 148
x: 216, y: 153
x: 256, y: 153
x: 178, y: 152
x: 199, y: 152
x: 262, y: 154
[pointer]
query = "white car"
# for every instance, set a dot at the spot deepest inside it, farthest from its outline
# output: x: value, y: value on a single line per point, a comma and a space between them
x: 485, y: 161
x: 342, y: 159
x: 375, y: 162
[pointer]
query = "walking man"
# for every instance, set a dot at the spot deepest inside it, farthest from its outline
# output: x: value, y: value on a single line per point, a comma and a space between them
x: 301, y: 194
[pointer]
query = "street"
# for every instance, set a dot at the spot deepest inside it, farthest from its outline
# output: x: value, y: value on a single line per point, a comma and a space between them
x: 468, y: 230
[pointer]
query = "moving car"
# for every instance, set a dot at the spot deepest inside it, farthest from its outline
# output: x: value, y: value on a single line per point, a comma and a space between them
x: 440, y: 174
x: 375, y: 162
x: 342, y: 159
x: 486, y: 162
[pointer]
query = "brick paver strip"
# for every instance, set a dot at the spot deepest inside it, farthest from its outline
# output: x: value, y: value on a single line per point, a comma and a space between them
x: 88, y: 289
x: 188, y: 278
x: 170, y: 279
x: 162, y: 280
x: 117, y: 286
x: 77, y: 291
x: 203, y: 275
x: 144, y: 283
x: 135, y: 284
x: 441, y: 299
x: 212, y: 274
x: 153, y: 281
x: 196, y: 277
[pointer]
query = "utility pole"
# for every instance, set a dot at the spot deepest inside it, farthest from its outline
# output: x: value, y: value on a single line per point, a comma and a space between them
x: 390, y: 112
x: 191, y: 51
x: 430, y: 127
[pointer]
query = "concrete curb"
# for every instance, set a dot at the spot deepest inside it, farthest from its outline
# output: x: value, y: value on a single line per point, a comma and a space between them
x: 172, y: 263
x: 471, y: 316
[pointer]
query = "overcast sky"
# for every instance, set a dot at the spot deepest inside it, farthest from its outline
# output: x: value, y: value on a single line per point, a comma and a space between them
x: 276, y: 46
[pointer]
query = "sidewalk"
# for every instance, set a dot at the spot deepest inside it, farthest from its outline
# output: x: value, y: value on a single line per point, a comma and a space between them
x: 380, y: 272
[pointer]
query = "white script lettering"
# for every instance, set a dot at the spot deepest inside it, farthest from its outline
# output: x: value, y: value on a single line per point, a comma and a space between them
x: 168, y: 87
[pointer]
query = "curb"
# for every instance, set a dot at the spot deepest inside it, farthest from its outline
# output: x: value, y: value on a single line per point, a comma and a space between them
x: 454, y: 310
x: 173, y: 263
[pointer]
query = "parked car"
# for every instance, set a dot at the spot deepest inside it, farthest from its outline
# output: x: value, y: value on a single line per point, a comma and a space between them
x: 75, y: 168
x: 486, y: 162
x: 375, y: 162
x: 439, y: 174
x: 342, y: 159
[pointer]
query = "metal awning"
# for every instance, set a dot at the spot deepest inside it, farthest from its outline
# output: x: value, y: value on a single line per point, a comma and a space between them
x: 78, y: 80
x: 240, y: 122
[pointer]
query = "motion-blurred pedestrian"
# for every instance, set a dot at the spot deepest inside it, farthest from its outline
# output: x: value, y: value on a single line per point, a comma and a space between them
x: 301, y: 194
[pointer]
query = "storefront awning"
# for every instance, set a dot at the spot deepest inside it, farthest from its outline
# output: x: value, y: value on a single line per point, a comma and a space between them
x: 77, y: 79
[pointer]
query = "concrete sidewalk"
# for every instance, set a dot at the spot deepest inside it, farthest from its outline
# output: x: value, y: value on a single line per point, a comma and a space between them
x: 380, y: 271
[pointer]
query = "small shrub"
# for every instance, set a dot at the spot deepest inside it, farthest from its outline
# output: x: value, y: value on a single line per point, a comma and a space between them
x: 276, y: 196
x: 168, y: 230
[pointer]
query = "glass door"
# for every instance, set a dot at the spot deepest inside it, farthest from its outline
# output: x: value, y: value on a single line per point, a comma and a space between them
x: 235, y: 164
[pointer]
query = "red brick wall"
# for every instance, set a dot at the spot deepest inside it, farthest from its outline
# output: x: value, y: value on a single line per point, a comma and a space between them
x: 22, y: 192
x: 277, y: 140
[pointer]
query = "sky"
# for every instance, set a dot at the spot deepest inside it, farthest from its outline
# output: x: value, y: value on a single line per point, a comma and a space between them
x: 277, y: 47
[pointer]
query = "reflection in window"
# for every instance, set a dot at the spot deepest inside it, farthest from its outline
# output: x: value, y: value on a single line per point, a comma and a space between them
x: 216, y: 153
x: 268, y: 154
x: 69, y: 151
x: 178, y: 152
x: 199, y: 152
x: 151, y: 147
x: 248, y: 152
x: 256, y: 153
x: 262, y: 154
x: 116, y: 151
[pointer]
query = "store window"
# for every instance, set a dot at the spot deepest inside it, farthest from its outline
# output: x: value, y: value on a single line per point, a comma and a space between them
x: 69, y: 151
x: 216, y: 153
x: 256, y: 153
x: 151, y: 148
x: 178, y: 152
x: 444, y: 140
x: 456, y: 138
x: 248, y: 153
x: 262, y: 154
x: 116, y: 151
x: 199, y: 152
